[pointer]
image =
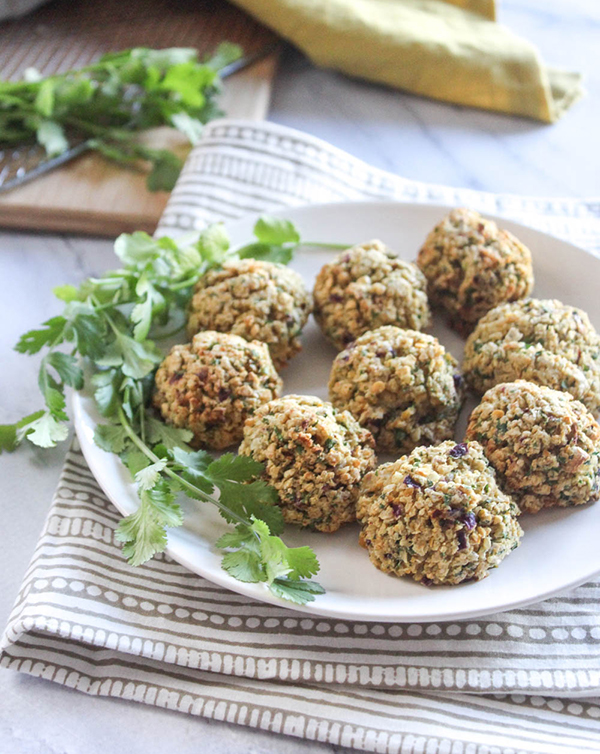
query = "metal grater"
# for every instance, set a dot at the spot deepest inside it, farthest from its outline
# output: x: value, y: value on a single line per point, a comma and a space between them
x: 18, y: 165
x: 21, y: 164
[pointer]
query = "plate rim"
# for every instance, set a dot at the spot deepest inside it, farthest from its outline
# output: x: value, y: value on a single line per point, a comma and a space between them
x: 259, y: 591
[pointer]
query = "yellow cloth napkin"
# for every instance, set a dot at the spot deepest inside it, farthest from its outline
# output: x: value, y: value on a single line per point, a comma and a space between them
x: 451, y: 50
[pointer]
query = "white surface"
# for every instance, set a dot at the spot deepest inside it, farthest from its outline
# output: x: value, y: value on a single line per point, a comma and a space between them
x: 417, y: 138
x: 560, y: 547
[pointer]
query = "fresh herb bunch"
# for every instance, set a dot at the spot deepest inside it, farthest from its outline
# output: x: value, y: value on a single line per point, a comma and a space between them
x: 108, y: 102
x: 113, y: 321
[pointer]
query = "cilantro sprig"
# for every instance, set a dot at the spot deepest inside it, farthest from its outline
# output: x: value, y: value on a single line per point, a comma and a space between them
x: 108, y: 102
x: 114, y: 323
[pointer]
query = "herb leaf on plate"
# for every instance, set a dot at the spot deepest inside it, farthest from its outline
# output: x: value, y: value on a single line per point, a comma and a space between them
x: 115, y: 323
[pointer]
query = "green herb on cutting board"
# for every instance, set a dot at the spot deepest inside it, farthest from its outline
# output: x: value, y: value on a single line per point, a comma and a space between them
x: 114, y: 323
x: 109, y: 102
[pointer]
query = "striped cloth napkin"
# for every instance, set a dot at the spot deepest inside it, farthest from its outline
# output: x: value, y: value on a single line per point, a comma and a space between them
x: 524, y: 681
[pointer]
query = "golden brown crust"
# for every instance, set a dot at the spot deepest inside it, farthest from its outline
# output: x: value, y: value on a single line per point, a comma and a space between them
x: 542, y: 341
x: 471, y: 266
x: 256, y: 300
x: 314, y: 456
x: 544, y: 445
x: 437, y: 515
x: 402, y: 385
x: 211, y: 385
x: 366, y: 287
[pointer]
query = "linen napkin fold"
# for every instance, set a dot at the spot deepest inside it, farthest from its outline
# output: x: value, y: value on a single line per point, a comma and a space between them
x: 527, y: 680
x: 451, y: 50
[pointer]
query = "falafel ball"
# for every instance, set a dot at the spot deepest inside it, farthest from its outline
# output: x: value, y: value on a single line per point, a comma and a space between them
x: 256, y: 300
x: 211, y: 385
x: 402, y: 385
x: 471, y: 266
x: 314, y: 456
x: 542, y: 341
x: 544, y: 445
x: 366, y: 287
x: 437, y: 515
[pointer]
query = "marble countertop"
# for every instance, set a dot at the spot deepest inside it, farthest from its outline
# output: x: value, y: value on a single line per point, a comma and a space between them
x: 413, y: 137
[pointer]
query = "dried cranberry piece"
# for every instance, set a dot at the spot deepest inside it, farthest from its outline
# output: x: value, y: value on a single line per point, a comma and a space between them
x: 459, y: 450
x: 426, y: 581
x: 462, y: 539
x: 458, y: 381
x: 469, y: 520
x: 410, y: 482
x: 223, y: 394
x: 398, y: 510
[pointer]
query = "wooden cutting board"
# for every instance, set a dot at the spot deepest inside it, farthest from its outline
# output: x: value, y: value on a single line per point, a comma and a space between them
x: 90, y: 195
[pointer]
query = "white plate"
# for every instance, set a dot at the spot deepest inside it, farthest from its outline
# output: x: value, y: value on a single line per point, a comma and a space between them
x: 560, y: 547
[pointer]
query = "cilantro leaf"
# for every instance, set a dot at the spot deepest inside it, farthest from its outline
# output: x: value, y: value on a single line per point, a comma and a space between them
x: 12, y: 434
x: 56, y: 403
x: 213, y: 243
x: 232, y: 476
x: 136, y: 359
x: 148, y: 477
x: 172, y: 437
x: 244, y: 565
x: 66, y: 292
x: 51, y: 333
x: 234, y: 468
x: 46, y: 431
x: 143, y: 312
x: 111, y: 437
x: 194, y: 461
x: 136, y: 249
x: 85, y: 326
x: 66, y: 366
x: 106, y: 393
x: 302, y: 562
x: 143, y: 533
x: 299, y: 592
x: 255, y: 555
x: 135, y: 460
x: 267, y: 253
x: 8, y: 437
x: 274, y: 230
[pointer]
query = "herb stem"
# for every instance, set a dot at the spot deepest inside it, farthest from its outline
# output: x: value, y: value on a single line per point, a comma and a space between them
x: 187, y: 282
x: 322, y: 245
x: 196, y: 491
